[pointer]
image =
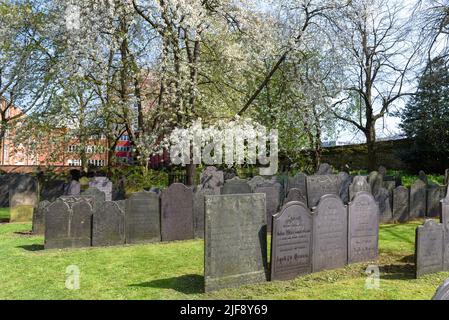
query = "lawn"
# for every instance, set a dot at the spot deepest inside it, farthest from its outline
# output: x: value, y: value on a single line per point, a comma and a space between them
x: 175, y: 271
x: 4, y: 214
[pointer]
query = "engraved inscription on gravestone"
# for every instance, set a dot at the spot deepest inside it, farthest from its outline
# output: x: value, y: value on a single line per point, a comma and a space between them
x: 363, y: 230
x: 235, y: 243
x: 330, y: 234
x: 429, y: 248
x: 108, y: 225
x: 291, y: 245
x: 318, y: 186
x: 57, y: 220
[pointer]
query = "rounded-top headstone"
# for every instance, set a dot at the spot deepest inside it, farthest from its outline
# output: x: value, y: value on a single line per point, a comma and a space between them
x: 442, y: 292
x: 324, y: 169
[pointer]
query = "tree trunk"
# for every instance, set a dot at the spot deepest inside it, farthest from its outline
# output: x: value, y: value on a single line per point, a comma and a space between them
x: 371, y: 147
x: 190, y: 172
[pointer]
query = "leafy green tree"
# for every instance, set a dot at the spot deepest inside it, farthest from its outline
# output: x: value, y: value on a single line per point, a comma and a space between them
x: 426, y: 119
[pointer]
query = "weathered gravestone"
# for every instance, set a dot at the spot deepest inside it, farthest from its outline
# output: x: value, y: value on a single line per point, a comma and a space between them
x: 68, y: 226
x: 108, y: 226
x: 23, y: 198
x: 442, y: 292
x: 73, y: 188
x: 142, y: 218
x: 401, y: 204
x: 236, y: 186
x: 363, y: 228
x: 211, y: 178
x: 383, y: 200
x: 177, y: 213
x: 434, y: 195
x: 444, y: 219
x: 235, y: 243
x: 375, y: 181
x: 256, y: 181
x: 198, y: 211
x: 359, y: 183
x: 324, y: 169
x: 382, y: 171
x: 295, y: 195
x: 102, y: 184
x: 344, y: 181
x: 97, y: 197
x: 446, y: 176
x: 330, y: 234
x: 52, y: 190
x: 418, y: 199
x: 39, y: 217
x: 291, y: 244
x: 271, y: 192
x: 429, y: 248
x: 318, y: 186
x: 4, y: 190
x: 423, y: 177
x: 297, y: 182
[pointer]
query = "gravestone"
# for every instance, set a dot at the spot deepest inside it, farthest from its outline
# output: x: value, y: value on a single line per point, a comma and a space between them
x: 318, y: 186
x: 375, y: 181
x: 73, y: 188
x: 442, y: 292
x: 434, y: 195
x: 291, y: 244
x: 57, y: 220
x: 256, y: 181
x: 330, y: 234
x: 198, y: 211
x: 81, y: 224
x: 283, y: 181
x: 429, y: 248
x: 177, y: 213
x: 297, y: 182
x: 359, y: 183
x: 23, y: 198
x: 324, y: 169
x: 142, y: 218
x: 363, y: 228
x: 401, y: 204
x: 418, y: 199
x: 235, y: 243
x: 102, y: 184
x: 444, y: 219
x: 211, y: 178
x: 39, y: 217
x: 344, y: 181
x: 295, y: 195
x: 97, y: 197
x: 383, y: 200
x: 236, y: 186
x: 271, y: 199
x: 446, y: 176
x: 4, y: 190
x: 108, y: 226
x: 382, y: 171
x: 423, y: 177
x: 52, y: 190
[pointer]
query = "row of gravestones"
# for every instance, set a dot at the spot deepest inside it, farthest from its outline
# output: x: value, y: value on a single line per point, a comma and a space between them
x: 432, y: 243
x: 144, y: 217
x: 332, y: 236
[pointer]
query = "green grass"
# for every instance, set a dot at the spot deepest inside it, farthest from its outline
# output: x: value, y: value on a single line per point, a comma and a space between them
x: 4, y: 214
x: 175, y: 271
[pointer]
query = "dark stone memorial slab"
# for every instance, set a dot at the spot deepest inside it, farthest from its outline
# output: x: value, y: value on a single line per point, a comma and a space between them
x: 383, y: 200
x: 344, y: 181
x: 142, y: 218
x: 57, y: 220
x: 97, y: 197
x: 235, y: 243
x: 236, y: 186
x: 434, y: 195
x: 81, y: 224
x: 330, y: 234
x: 401, y: 204
x: 359, y: 183
x: 320, y: 185
x: 198, y: 211
x: 271, y: 199
x: 23, y: 198
x: 291, y: 244
x: 375, y: 181
x: 52, y: 190
x: 39, y: 217
x: 363, y: 229
x: 429, y: 248
x: 73, y: 188
x: 297, y: 182
x: 211, y: 178
x: 102, y: 184
x: 108, y: 228
x: 295, y: 195
x: 177, y: 213
x: 418, y: 199
x: 324, y: 169
x: 444, y: 218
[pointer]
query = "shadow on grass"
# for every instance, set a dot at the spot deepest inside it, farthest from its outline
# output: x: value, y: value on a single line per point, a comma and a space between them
x: 32, y: 247
x: 398, y: 272
x: 187, y: 284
